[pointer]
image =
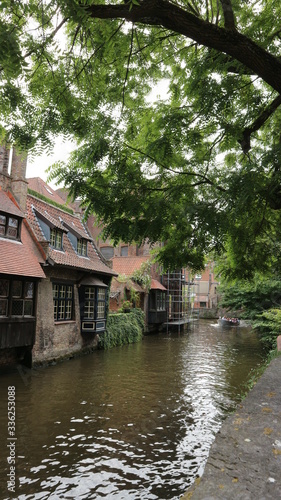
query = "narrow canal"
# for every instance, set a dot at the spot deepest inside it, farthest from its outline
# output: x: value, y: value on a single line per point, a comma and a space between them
x: 134, y: 422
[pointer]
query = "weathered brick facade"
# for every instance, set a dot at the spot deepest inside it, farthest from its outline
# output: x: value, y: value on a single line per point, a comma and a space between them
x: 53, y: 281
x: 55, y: 340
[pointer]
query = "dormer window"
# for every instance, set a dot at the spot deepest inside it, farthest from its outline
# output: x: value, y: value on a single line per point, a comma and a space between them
x: 51, y: 228
x: 82, y: 247
x: 9, y: 227
x: 56, y: 238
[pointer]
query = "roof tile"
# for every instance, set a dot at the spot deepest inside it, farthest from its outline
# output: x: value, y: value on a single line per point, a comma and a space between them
x: 7, y: 205
x: 66, y: 257
x: 19, y: 258
x: 127, y: 265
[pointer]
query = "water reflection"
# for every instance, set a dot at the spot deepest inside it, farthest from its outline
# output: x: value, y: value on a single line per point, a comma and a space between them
x: 132, y: 423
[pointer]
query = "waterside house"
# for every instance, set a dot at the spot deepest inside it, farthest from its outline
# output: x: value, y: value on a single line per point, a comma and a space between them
x: 73, y: 299
x: 152, y: 299
x: 54, y: 283
x: 21, y: 270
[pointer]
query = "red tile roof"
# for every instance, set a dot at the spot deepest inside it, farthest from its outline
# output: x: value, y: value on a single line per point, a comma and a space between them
x: 46, y: 217
x: 80, y: 232
x: 19, y: 258
x: 38, y: 185
x: 75, y: 205
x: 156, y: 285
x: 7, y: 205
x: 127, y: 265
x: 66, y: 257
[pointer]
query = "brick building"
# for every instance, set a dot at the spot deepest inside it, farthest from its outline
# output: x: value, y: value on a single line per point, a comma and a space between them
x: 20, y: 267
x: 124, y: 260
x: 54, y: 281
x: 151, y: 299
x: 204, y: 289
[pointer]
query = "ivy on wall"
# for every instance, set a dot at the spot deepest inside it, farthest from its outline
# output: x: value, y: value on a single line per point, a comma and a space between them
x: 142, y: 276
x: 123, y: 328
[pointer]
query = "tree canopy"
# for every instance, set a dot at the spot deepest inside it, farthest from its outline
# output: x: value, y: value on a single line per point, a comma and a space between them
x: 196, y: 163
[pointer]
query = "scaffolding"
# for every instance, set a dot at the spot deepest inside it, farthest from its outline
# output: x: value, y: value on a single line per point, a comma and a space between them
x: 179, y: 308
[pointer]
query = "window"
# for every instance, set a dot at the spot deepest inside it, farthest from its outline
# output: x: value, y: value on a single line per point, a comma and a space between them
x: 56, y: 238
x: 89, y: 307
x: 82, y: 247
x: 9, y: 227
x: 157, y: 300
x: 94, y: 304
x: 101, y: 303
x: 16, y: 298
x: 107, y: 252
x: 161, y: 301
x: 63, y: 302
x: 4, y: 296
x: 22, y: 298
x: 49, y: 191
x: 124, y: 251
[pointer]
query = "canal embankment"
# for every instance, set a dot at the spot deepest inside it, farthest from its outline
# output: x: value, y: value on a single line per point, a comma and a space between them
x: 245, y: 458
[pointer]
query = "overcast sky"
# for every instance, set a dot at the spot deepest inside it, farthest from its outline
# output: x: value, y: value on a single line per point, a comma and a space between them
x: 37, y: 166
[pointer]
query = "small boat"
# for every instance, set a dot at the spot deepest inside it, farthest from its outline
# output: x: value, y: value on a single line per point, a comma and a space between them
x: 228, y: 321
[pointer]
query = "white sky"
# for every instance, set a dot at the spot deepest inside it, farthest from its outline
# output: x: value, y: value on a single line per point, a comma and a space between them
x: 37, y: 166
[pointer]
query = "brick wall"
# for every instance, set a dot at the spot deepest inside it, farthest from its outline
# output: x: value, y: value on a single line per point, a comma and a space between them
x: 4, y: 163
x: 18, y: 182
x: 4, y: 159
x: 60, y: 339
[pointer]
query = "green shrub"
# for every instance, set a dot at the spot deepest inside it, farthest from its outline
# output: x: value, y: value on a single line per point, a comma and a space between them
x: 269, y: 327
x: 122, y: 329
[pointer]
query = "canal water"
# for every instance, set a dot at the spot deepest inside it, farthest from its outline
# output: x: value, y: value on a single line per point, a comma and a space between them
x: 134, y: 422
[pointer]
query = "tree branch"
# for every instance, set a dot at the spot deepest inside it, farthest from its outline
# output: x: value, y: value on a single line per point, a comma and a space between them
x: 229, y: 21
x: 257, y: 124
x: 128, y: 65
x: 48, y: 38
x: 204, y: 179
x: 170, y: 16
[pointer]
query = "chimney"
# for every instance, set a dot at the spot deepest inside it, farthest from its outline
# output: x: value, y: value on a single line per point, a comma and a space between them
x: 19, y: 183
x: 4, y: 167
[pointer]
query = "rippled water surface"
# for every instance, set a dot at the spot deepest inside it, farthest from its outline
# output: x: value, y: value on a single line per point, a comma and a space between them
x: 134, y: 422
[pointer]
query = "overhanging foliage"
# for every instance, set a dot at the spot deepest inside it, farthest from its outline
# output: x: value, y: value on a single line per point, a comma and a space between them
x: 199, y: 169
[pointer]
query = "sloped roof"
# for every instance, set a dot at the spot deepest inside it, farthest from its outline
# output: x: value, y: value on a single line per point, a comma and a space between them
x: 78, y: 231
x: 92, y: 281
x: 156, y: 285
x: 118, y: 286
x: 46, y: 217
x: 19, y: 258
x: 37, y: 184
x: 74, y: 204
x: 61, y: 219
x: 127, y: 265
x: 135, y: 286
x: 7, y: 205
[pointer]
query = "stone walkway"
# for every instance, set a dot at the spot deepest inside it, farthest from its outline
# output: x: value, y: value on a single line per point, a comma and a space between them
x: 245, y: 458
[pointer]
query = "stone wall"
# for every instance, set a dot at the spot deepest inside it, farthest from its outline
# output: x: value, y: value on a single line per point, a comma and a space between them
x: 55, y: 340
